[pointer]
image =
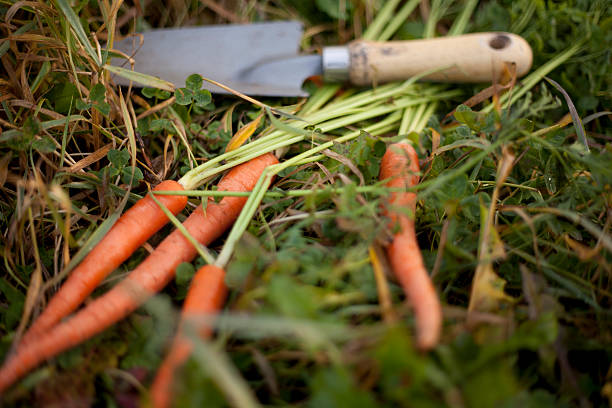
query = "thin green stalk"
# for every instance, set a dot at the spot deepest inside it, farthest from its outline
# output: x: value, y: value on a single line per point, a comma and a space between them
x: 398, y: 20
x: 367, y: 97
x: 246, y: 215
x: 328, y: 113
x: 319, y: 98
x: 524, y: 18
x: 259, y: 192
x: 199, y: 247
x: 406, y: 120
x: 460, y: 24
x: 438, y: 8
x: 418, y: 117
x: 368, y: 114
x: 279, y: 139
x: 224, y: 373
x: 426, y: 116
x: 380, y: 21
x: 371, y: 189
x: 195, y: 178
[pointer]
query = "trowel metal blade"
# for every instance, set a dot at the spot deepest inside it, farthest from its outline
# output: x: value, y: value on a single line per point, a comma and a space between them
x: 255, y: 59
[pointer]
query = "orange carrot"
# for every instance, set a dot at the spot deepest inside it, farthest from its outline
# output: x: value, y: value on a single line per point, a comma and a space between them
x: 130, y: 231
x: 205, y: 296
x: 400, y: 165
x: 148, y: 278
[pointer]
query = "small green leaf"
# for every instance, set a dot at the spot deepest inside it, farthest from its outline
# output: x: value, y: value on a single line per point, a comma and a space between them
x: 112, y: 172
x: 465, y: 115
x: 126, y: 175
x: 62, y: 96
x: 551, y: 172
x: 184, y: 274
x: 149, y: 92
x: 80, y: 104
x: 103, y: 108
x: 97, y: 93
x: 291, y: 298
x: 44, y: 145
x: 202, y: 97
x: 379, y: 149
x: 183, y: 96
x: 16, y: 299
x: 118, y: 158
x: 31, y: 127
x: 194, y: 82
x: 155, y: 93
x: 195, y: 127
x: 144, y: 125
x: 162, y: 94
x: 160, y: 124
x: 534, y: 334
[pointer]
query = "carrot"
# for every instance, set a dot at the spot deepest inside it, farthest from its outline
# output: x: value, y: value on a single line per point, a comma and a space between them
x: 148, y: 278
x: 205, y: 296
x: 400, y: 165
x: 130, y: 231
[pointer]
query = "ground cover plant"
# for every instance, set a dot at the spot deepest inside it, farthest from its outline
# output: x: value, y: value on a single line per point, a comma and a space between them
x: 512, y: 213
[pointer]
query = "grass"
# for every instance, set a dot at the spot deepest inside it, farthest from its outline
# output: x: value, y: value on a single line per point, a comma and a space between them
x: 513, y: 217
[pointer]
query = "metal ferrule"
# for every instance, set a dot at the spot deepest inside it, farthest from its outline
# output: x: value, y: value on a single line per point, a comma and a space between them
x: 336, y: 62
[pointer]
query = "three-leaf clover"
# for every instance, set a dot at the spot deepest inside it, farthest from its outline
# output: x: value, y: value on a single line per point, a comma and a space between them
x: 193, y: 92
x: 96, y: 100
x: 119, y: 160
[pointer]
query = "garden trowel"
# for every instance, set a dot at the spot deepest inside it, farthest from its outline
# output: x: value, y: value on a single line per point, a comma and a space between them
x: 263, y: 58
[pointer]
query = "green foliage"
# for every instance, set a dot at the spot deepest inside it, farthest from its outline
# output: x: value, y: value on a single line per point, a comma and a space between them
x: 302, y: 324
x: 183, y: 275
x: 193, y: 93
x: 63, y: 96
x: 119, y: 160
x: 335, y: 387
x: 184, y: 96
x: 194, y: 82
x: 334, y: 8
x: 14, y: 300
x: 195, y: 391
x: 156, y: 93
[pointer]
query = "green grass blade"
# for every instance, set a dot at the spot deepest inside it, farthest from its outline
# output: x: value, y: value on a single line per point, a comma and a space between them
x: 573, y: 112
x: 460, y: 24
x: 142, y: 79
x: 218, y: 365
x: 399, y: 19
x: 75, y: 23
x: 380, y: 21
x: 198, y: 246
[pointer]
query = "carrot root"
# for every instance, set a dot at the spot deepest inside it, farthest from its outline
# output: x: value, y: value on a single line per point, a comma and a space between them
x: 148, y: 278
x: 205, y: 297
x: 130, y: 231
x: 400, y: 165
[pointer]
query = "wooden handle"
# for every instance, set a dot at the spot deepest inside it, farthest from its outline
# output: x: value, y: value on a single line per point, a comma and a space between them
x: 478, y: 57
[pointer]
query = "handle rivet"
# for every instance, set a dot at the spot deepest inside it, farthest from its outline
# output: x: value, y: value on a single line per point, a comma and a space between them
x: 499, y: 42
